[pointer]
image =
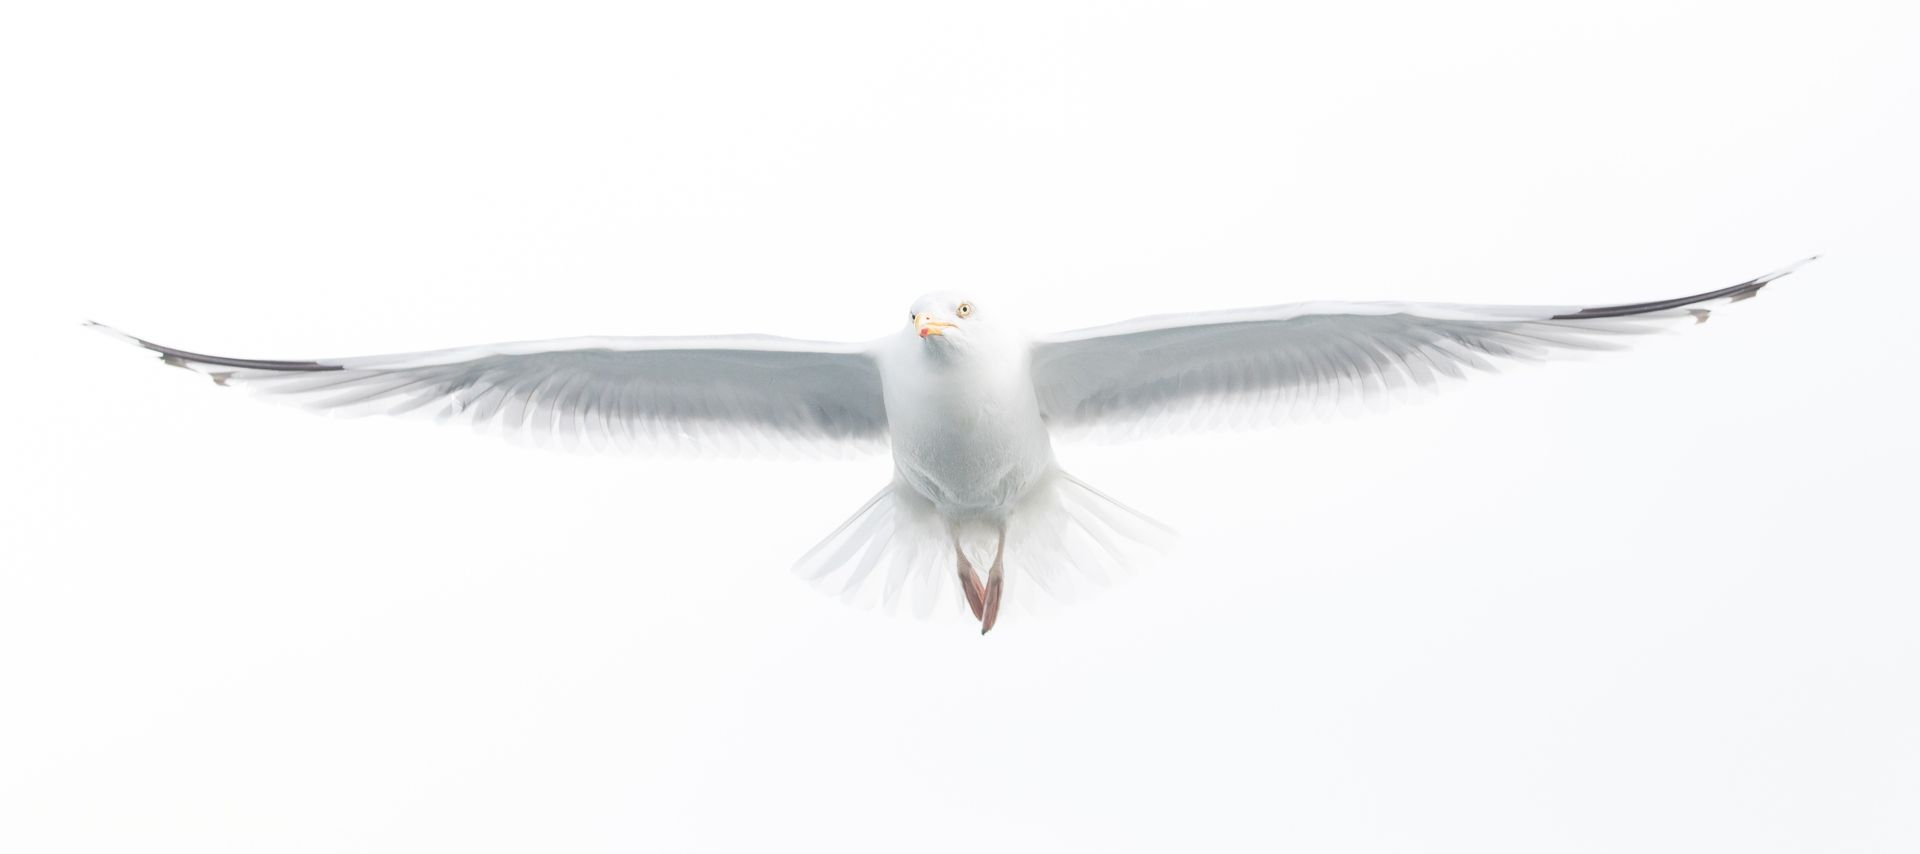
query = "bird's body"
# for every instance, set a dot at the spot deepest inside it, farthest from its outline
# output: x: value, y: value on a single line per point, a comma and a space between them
x: 969, y: 406
x: 963, y: 421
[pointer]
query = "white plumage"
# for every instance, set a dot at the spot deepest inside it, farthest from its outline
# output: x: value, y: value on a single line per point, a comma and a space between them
x: 968, y: 405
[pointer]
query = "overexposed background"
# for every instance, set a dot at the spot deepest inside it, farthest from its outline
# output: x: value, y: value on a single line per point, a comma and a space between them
x: 1657, y: 601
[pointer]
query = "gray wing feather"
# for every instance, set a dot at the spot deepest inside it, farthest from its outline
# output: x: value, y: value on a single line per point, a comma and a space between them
x: 731, y: 395
x: 1251, y: 367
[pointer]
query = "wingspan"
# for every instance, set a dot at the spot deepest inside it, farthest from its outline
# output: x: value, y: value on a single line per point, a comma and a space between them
x: 1253, y: 366
x: 743, y: 395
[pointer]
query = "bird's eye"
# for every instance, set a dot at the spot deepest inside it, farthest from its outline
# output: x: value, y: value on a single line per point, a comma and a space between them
x: 965, y: 309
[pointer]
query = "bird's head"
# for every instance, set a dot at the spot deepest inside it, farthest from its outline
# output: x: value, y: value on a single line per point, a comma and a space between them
x: 944, y: 318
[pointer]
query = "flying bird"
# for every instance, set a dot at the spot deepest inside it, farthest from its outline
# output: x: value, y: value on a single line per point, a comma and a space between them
x: 969, y: 406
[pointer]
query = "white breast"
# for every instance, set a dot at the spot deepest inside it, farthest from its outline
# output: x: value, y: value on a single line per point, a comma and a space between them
x: 965, y: 424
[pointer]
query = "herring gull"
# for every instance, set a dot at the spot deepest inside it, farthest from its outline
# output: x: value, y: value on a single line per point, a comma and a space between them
x: 968, y: 404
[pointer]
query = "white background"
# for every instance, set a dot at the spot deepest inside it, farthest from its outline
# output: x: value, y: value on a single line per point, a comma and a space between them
x: 1657, y: 601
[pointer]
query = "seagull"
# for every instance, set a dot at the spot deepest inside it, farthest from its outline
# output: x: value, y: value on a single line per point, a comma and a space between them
x: 969, y: 406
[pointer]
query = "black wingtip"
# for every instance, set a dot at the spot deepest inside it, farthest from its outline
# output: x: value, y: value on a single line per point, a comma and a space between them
x: 1743, y: 291
x: 181, y: 358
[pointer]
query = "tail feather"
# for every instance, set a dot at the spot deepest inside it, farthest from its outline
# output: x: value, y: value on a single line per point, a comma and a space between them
x: 1073, y: 540
x: 1064, y: 537
x: 879, y: 532
x: 879, y: 556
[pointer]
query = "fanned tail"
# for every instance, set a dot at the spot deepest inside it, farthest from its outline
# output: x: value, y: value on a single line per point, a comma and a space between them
x: 894, y: 552
x: 1065, y: 540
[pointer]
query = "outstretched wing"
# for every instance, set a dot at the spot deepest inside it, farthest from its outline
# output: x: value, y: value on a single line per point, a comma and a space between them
x: 746, y: 394
x: 1258, y: 365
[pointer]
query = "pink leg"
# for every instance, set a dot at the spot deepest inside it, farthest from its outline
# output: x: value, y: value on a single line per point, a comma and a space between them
x: 970, y: 583
x: 996, y: 581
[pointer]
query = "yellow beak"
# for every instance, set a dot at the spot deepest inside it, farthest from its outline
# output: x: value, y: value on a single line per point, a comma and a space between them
x: 929, y: 326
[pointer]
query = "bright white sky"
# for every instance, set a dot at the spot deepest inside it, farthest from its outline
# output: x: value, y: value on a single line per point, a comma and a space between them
x: 1656, y: 601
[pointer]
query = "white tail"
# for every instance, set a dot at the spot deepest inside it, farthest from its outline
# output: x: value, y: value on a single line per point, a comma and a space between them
x: 1064, y: 540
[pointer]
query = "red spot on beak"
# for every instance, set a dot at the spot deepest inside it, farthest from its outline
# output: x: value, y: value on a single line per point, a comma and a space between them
x: 926, y: 331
